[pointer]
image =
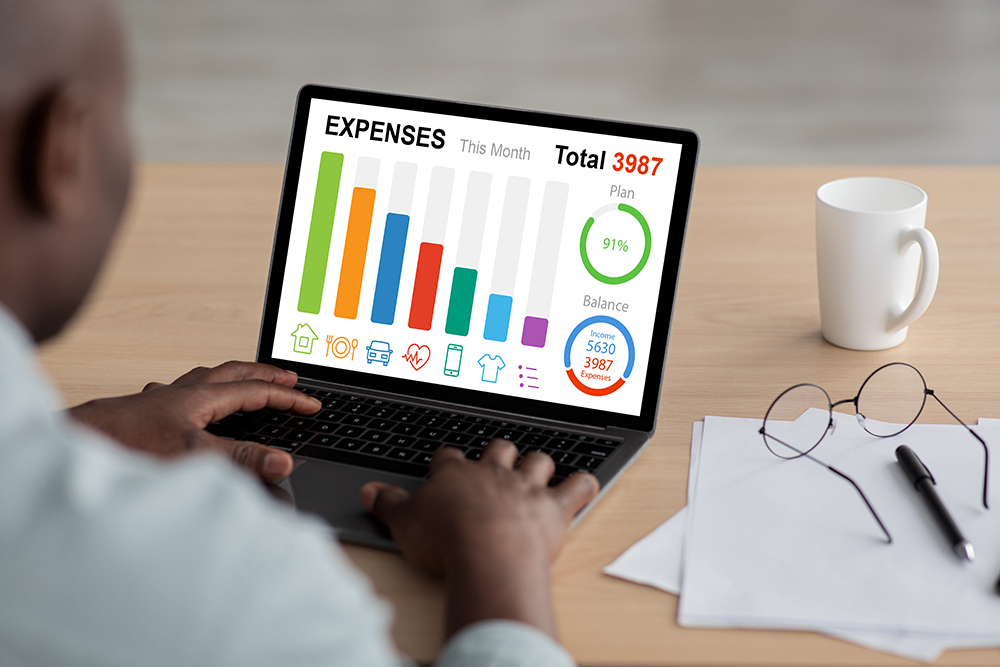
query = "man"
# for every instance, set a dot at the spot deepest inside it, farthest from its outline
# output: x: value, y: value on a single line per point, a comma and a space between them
x: 118, y: 547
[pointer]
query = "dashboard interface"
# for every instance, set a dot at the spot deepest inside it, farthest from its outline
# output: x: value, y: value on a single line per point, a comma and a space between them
x: 499, y: 257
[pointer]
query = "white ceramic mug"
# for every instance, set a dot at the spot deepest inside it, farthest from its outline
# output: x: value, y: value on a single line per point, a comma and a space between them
x: 869, y: 239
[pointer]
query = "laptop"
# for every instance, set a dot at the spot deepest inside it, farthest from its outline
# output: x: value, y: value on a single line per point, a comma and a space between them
x: 447, y: 273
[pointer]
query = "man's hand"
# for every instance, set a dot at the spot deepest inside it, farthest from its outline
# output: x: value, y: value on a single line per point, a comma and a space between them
x: 491, y: 530
x: 170, y: 419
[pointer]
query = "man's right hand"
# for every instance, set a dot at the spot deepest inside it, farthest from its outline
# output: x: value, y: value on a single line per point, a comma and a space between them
x: 490, y: 529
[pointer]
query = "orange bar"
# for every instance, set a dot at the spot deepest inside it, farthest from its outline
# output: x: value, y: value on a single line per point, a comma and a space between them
x: 352, y: 269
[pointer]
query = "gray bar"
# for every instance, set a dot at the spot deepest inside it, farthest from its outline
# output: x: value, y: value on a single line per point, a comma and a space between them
x: 404, y: 175
x: 367, y: 176
x: 438, y: 203
x: 515, y: 203
x: 550, y: 226
x: 470, y: 241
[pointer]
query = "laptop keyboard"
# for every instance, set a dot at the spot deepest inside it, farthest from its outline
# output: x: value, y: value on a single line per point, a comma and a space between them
x: 400, y: 438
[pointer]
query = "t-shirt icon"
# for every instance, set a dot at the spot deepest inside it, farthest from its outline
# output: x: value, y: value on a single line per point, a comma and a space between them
x: 491, y: 367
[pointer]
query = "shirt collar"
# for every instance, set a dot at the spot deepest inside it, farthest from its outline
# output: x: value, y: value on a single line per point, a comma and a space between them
x: 24, y: 385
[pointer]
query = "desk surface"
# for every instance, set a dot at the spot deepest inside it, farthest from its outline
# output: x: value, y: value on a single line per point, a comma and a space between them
x: 185, y: 287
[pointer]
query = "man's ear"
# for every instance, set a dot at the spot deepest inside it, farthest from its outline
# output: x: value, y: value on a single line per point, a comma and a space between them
x: 55, y: 149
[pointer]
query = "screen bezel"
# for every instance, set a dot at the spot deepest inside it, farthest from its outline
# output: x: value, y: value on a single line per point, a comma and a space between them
x: 646, y: 420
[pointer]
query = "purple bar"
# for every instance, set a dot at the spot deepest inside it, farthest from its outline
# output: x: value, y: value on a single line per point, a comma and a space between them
x: 534, y: 331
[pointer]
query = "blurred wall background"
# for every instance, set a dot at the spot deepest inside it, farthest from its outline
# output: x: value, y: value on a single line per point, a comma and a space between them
x: 762, y: 81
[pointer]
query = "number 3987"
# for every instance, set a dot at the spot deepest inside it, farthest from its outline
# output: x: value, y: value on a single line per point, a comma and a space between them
x: 630, y: 163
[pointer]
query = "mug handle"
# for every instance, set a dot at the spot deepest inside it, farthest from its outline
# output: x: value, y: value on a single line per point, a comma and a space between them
x: 928, y: 277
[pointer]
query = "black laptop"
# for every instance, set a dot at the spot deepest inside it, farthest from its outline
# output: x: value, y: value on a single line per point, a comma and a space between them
x: 447, y: 273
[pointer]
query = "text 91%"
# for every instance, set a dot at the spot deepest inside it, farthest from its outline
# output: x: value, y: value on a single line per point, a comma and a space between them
x: 616, y: 244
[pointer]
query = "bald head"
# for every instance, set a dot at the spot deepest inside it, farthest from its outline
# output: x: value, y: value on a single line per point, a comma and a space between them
x: 65, y: 154
x: 45, y: 41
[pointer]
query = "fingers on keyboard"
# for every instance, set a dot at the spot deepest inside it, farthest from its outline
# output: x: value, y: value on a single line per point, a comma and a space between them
x: 385, y: 435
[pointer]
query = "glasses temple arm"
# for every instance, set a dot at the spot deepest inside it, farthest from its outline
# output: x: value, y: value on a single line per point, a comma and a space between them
x: 797, y: 451
x: 857, y: 488
x: 888, y: 537
x: 986, y: 451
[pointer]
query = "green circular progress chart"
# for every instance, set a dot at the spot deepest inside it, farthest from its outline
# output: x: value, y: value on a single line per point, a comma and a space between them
x: 615, y: 250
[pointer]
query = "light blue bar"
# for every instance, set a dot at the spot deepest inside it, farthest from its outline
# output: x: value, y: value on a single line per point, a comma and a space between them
x: 390, y: 268
x: 498, y: 317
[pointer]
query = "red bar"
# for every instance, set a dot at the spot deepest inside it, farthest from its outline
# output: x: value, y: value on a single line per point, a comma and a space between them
x: 425, y: 285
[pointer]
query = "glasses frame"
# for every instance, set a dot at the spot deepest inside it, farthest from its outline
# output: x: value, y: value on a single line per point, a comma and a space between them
x: 807, y: 453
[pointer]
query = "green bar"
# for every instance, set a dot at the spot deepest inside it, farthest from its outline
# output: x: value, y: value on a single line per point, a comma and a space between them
x: 320, y: 231
x: 463, y: 288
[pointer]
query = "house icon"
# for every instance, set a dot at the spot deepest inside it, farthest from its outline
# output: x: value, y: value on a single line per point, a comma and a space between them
x: 304, y: 338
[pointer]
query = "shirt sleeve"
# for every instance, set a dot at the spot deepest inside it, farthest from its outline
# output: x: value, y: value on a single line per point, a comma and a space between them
x: 502, y: 643
x: 118, y: 559
x: 310, y: 607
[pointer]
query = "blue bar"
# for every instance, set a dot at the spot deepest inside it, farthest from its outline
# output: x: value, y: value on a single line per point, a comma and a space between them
x: 498, y: 317
x: 390, y: 268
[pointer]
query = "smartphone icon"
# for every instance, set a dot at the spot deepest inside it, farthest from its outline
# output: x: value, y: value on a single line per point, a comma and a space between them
x: 453, y: 360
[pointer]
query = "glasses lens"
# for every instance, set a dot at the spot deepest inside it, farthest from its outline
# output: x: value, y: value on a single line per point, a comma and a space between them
x: 785, y: 436
x: 891, y: 399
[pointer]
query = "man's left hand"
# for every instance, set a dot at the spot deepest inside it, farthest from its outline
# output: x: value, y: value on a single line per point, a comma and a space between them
x: 170, y: 419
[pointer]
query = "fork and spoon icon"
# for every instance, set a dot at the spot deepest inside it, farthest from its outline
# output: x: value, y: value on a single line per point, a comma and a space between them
x: 341, y: 347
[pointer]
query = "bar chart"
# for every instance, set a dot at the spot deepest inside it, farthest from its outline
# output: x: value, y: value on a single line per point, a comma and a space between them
x: 465, y: 285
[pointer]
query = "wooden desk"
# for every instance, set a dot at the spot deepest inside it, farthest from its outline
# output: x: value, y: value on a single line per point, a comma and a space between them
x: 185, y: 287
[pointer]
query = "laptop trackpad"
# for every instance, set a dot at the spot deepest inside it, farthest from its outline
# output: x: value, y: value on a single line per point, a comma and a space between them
x: 331, y: 491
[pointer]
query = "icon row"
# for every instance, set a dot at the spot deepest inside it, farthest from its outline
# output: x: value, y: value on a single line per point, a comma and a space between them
x: 416, y: 355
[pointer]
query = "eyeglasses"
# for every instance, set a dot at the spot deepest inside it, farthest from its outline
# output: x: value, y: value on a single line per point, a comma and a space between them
x: 892, y: 395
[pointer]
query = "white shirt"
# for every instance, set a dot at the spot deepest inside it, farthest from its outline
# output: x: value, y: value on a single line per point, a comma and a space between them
x: 109, y: 557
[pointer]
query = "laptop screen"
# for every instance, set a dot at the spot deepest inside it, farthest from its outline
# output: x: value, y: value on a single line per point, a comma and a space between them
x: 479, y: 255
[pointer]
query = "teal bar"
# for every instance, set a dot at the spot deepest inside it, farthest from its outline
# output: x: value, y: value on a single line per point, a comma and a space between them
x: 463, y: 289
x: 320, y: 230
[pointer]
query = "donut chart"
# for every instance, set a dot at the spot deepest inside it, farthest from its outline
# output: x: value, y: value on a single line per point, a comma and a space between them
x: 591, y: 360
x: 588, y: 262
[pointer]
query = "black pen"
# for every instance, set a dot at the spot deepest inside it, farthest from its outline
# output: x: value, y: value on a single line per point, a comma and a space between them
x: 924, y: 482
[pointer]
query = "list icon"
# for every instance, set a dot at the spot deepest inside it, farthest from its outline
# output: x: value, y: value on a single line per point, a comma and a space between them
x: 527, y: 376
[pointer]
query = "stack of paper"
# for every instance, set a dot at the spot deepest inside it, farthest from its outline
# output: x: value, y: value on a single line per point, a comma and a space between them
x: 769, y: 543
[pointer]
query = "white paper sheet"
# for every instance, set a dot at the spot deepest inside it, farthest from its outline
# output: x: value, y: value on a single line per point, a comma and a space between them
x: 657, y: 560
x: 787, y: 544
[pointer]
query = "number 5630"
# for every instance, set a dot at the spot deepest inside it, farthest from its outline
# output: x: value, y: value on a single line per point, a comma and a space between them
x: 600, y: 347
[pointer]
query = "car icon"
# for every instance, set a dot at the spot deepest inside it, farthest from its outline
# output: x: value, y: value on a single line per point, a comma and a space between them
x: 379, y: 352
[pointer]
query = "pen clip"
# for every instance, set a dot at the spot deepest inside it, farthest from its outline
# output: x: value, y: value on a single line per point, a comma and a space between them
x: 926, y: 469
